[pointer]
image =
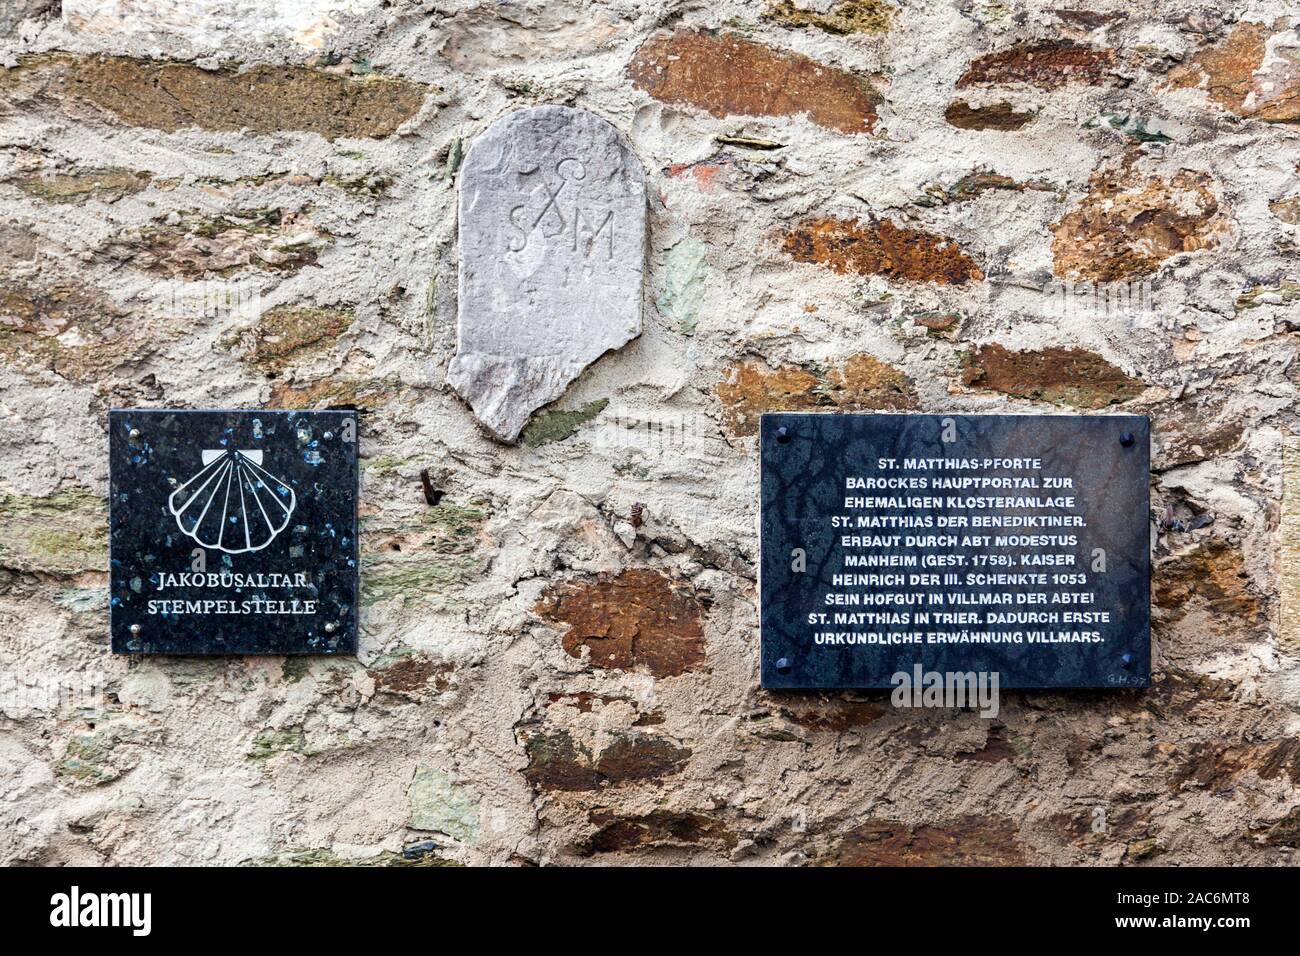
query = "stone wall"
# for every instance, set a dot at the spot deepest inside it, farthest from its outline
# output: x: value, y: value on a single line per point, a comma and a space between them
x: 935, y: 205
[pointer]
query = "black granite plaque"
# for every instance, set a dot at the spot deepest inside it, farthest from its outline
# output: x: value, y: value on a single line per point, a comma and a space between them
x: 233, y: 532
x: 1008, y: 544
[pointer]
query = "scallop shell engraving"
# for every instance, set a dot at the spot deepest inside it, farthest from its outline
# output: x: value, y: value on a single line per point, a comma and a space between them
x: 232, y: 504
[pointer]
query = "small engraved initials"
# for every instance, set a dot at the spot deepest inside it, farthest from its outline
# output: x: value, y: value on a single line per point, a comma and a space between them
x: 587, y: 226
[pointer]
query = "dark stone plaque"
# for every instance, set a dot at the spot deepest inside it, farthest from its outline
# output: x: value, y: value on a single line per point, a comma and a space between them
x: 233, y: 532
x: 1009, y: 544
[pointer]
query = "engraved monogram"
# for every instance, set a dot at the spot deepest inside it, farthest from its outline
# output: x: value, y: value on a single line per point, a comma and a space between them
x: 582, y: 229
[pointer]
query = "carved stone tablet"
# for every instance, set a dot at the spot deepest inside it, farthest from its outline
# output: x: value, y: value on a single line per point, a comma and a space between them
x: 552, y: 260
x: 897, y: 547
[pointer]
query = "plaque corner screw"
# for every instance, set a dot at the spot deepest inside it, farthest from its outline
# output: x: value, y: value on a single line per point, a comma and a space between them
x: 1126, y: 660
x: 784, y: 665
x: 134, y: 434
x: 1126, y: 439
x: 783, y: 436
x: 135, y: 630
x: 331, y: 627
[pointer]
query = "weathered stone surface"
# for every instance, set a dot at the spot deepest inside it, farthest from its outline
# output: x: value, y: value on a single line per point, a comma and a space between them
x: 412, y: 676
x: 1190, y: 431
x: 881, y: 248
x: 334, y: 392
x: 439, y: 805
x: 78, y: 185
x: 70, y: 330
x: 726, y: 74
x: 1000, y: 116
x: 1216, y: 764
x: 286, y: 333
x: 1210, y: 577
x: 211, y: 25
x: 14, y: 12
x: 640, y: 618
x: 659, y: 828
x: 750, y: 388
x: 552, y: 260
x: 559, y: 424
x: 499, y: 35
x: 1064, y: 376
x: 971, y: 186
x: 196, y: 247
x: 965, y: 841
x: 830, y: 715
x: 938, y: 323
x: 1047, y: 65
x: 1289, y: 558
x: 423, y: 558
x: 173, y: 96
x: 557, y: 762
x: 1254, y: 72
x: 62, y: 535
x: 1288, y: 209
x: 102, y: 304
x: 844, y: 16
x: 1128, y: 225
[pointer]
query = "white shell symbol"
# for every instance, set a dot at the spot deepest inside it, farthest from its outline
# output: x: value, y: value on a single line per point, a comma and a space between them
x: 233, y: 504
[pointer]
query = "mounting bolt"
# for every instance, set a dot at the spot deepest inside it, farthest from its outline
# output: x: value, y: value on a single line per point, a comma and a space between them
x: 1126, y: 439
x: 783, y: 435
x: 1126, y: 661
x: 331, y: 627
x: 783, y: 665
x: 135, y: 630
x: 134, y: 434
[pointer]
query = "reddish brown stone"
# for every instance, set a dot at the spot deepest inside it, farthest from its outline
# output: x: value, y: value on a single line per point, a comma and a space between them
x: 1185, y: 432
x: 585, y: 702
x: 74, y: 331
x: 1083, y: 827
x: 964, y: 841
x: 881, y: 248
x: 748, y: 389
x: 640, y: 618
x: 1074, y: 377
x: 1285, y: 832
x: 1048, y: 65
x: 172, y: 96
x: 726, y: 74
x: 1127, y: 225
x: 660, y: 828
x: 412, y: 676
x: 556, y: 762
x: 1216, y: 764
x: 834, y: 716
x: 996, y: 749
x: 1234, y: 74
x: 1210, y: 576
x: 939, y: 322
x: 1001, y: 116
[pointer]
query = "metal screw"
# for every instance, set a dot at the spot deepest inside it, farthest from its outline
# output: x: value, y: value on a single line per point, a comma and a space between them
x: 783, y: 665
x: 134, y: 434
x: 1126, y: 439
x: 135, y: 629
x: 331, y: 627
x: 1126, y: 661
x: 783, y: 435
